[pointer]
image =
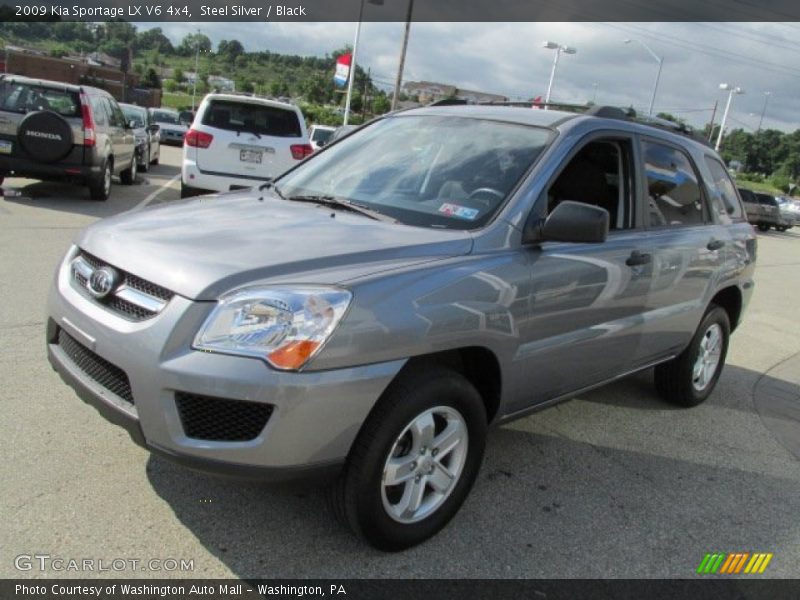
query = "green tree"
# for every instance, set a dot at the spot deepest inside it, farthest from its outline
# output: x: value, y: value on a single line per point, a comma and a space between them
x: 154, y: 39
x: 151, y: 79
x: 178, y: 75
x: 190, y: 43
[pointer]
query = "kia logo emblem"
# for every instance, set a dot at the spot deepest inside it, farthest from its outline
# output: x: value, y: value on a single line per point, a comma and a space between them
x: 103, y: 281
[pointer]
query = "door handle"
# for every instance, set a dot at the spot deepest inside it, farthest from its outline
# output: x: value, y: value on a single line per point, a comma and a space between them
x: 715, y: 244
x: 638, y: 258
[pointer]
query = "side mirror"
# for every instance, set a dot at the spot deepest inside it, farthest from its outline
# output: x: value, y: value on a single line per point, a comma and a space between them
x: 130, y: 124
x: 321, y: 143
x: 154, y: 127
x: 574, y: 222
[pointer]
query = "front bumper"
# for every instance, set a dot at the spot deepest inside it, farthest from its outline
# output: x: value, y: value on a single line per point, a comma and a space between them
x: 315, y: 415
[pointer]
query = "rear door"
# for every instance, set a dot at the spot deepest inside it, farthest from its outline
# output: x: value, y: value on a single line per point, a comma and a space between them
x: 18, y: 99
x: 250, y: 139
x: 688, y: 248
x: 122, y: 139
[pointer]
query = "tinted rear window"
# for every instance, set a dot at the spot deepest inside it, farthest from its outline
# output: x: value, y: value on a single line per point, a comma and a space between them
x: 252, y: 118
x: 24, y: 98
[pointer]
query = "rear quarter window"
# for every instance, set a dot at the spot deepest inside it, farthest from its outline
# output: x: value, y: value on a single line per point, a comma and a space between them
x: 252, y: 118
x: 724, y: 198
x: 24, y: 98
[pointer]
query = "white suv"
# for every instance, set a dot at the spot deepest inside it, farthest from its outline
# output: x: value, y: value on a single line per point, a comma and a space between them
x: 237, y: 141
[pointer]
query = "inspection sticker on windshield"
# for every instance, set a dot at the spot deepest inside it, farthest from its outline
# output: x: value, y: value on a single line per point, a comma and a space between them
x: 462, y: 212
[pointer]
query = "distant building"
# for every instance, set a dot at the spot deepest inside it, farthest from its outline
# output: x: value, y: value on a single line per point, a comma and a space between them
x: 78, y: 70
x: 428, y: 92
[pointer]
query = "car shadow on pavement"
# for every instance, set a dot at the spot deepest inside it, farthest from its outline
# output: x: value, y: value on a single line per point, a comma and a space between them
x: 559, y: 495
x: 74, y: 198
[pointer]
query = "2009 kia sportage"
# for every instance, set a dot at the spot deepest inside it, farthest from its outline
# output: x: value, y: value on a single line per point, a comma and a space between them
x: 369, y: 314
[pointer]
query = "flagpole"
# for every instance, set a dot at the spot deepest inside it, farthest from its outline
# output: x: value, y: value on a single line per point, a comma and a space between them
x: 352, y: 74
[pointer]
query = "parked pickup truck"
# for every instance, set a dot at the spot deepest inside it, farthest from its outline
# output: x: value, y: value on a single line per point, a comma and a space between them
x: 764, y: 211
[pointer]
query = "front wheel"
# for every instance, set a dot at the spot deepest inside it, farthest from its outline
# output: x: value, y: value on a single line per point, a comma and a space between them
x: 414, y: 461
x: 763, y: 227
x: 145, y: 166
x: 689, y: 378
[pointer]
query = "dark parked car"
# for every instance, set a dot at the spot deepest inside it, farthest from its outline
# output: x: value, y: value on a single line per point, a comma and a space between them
x: 56, y: 131
x: 148, y: 144
x: 370, y: 313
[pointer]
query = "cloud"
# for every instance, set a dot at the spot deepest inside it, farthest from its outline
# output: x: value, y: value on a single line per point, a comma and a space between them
x: 508, y: 58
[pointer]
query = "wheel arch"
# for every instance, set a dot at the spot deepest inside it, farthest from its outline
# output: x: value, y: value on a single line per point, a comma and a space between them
x: 477, y: 364
x: 730, y: 299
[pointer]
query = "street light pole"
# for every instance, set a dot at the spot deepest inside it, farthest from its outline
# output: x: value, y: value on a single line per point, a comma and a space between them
x: 196, y: 66
x: 731, y: 91
x: 763, y: 110
x: 660, y: 61
x: 559, y: 48
x: 402, y: 64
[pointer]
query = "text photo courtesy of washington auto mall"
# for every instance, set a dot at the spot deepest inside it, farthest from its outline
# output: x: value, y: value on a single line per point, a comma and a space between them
x: 399, y: 298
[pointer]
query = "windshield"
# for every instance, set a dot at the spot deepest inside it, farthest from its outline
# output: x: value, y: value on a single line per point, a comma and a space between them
x: 133, y: 114
x: 162, y: 116
x: 431, y: 171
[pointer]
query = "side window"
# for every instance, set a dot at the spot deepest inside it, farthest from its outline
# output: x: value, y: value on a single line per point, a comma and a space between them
x: 99, y: 111
x: 599, y: 174
x: 724, y: 199
x: 115, y: 117
x: 674, y: 197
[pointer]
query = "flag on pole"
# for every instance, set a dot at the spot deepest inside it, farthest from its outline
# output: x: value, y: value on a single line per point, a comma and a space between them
x: 343, y: 69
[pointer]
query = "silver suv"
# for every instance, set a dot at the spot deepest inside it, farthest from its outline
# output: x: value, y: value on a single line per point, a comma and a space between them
x: 371, y: 313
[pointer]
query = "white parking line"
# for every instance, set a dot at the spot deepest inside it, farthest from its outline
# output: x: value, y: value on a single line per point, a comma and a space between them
x: 153, y: 195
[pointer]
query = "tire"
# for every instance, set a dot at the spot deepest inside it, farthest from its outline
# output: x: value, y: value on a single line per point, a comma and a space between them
x: 100, y: 186
x: 128, y: 176
x: 145, y: 166
x: 45, y: 136
x: 677, y: 381
x: 782, y: 228
x: 373, y: 510
x: 188, y: 191
x: 158, y: 156
x: 763, y: 227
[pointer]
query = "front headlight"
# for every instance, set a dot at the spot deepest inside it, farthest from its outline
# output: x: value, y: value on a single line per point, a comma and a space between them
x: 286, y: 326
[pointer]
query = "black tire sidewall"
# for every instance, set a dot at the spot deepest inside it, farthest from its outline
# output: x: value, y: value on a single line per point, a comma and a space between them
x: 45, y: 122
x: 365, y: 475
x: 714, y: 315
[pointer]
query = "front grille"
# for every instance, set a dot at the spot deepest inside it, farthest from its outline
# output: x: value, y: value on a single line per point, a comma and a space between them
x: 219, y: 419
x: 123, y: 307
x: 99, y: 369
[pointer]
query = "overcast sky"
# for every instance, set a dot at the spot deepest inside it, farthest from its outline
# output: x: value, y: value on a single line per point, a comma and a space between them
x: 508, y: 59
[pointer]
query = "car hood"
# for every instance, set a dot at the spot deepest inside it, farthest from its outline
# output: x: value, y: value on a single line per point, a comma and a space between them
x: 204, y: 247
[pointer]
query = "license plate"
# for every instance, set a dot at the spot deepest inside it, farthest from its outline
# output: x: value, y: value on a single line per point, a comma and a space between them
x: 5, y: 147
x: 251, y: 156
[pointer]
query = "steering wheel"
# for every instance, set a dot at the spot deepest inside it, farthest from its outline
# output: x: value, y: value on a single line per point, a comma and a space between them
x: 486, y: 190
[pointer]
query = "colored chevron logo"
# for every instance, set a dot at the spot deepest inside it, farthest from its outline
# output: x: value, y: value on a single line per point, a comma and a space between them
x: 734, y: 563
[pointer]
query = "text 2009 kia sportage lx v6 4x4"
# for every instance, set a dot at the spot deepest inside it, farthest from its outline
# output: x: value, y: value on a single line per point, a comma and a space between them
x: 369, y: 314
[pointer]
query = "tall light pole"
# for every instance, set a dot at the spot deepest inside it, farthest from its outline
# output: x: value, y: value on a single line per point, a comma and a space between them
x: 402, y: 64
x: 731, y: 91
x: 660, y: 61
x: 559, y: 48
x: 352, y: 76
x: 594, y: 92
x: 763, y: 110
x: 196, y: 66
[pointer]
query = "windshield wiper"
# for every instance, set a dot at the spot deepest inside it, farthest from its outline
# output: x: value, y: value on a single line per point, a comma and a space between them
x: 334, y: 202
x: 269, y: 184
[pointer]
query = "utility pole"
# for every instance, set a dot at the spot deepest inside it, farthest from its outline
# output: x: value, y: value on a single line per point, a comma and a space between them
x: 402, y: 65
x: 196, y: 66
x: 713, y: 116
x: 763, y: 110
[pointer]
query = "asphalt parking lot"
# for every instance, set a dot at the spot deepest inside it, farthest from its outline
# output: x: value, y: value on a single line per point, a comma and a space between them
x: 611, y: 484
